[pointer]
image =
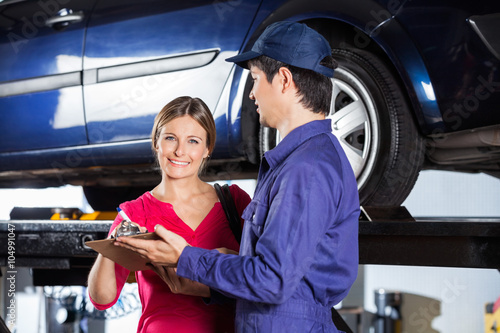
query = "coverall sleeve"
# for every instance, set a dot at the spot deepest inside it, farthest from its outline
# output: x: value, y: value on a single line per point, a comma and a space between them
x: 286, y: 236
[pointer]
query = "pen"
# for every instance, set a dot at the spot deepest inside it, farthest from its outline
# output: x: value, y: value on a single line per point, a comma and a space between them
x: 122, y: 213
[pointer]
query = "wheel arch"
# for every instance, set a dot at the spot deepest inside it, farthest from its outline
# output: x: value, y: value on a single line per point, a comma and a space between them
x: 344, y: 35
x: 390, y: 42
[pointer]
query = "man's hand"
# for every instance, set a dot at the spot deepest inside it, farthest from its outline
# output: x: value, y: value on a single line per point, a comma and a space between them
x: 165, y: 251
x: 179, y: 285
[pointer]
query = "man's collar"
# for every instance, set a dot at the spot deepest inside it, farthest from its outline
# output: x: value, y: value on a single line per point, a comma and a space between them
x: 295, y: 138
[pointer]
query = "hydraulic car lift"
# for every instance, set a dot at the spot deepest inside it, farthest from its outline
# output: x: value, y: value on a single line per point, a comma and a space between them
x: 390, y: 236
x: 387, y: 236
x: 52, y: 243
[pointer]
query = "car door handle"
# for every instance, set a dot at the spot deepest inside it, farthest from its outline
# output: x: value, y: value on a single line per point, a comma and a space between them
x: 64, y: 18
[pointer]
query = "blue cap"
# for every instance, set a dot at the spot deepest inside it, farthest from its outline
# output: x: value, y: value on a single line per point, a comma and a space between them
x: 292, y: 43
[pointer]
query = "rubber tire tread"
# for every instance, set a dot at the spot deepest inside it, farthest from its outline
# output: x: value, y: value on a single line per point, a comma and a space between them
x: 398, y: 164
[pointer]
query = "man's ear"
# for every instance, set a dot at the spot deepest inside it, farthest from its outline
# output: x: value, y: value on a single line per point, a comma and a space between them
x: 286, y: 78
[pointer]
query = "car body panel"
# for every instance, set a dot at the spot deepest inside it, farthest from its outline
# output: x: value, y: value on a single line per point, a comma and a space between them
x: 464, y: 73
x: 31, y: 49
x: 41, y: 120
x: 40, y: 93
x: 393, y: 25
x: 367, y: 27
x: 183, y: 44
x: 86, y: 95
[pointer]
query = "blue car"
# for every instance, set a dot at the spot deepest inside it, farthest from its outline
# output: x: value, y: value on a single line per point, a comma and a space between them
x: 417, y: 87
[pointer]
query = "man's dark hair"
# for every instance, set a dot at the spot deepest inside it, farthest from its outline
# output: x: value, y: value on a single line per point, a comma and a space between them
x: 315, y: 89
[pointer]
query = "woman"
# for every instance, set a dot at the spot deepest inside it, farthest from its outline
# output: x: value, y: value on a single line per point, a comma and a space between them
x: 183, y: 138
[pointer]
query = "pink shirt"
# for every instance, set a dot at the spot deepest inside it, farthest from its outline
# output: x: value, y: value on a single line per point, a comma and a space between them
x: 163, y: 311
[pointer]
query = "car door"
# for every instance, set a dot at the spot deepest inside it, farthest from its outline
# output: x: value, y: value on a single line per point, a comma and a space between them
x: 139, y: 55
x: 41, y: 47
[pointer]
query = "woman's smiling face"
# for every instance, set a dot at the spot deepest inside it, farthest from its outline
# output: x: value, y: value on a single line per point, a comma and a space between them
x: 181, y: 147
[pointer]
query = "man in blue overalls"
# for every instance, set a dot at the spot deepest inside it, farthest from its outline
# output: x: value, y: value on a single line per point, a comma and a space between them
x: 299, y: 249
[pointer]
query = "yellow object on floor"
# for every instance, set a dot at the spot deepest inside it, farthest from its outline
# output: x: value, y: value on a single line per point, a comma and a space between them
x: 492, y: 318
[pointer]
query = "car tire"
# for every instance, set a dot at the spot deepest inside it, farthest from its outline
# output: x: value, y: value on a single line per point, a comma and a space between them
x: 374, y: 125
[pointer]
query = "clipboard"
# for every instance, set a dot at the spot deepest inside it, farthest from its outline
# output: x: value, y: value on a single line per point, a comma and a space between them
x: 127, y: 258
